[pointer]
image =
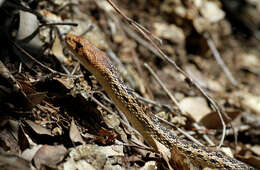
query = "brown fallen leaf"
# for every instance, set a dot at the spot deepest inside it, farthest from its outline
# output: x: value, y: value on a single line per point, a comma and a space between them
x: 49, y: 155
x: 256, y: 149
x: 75, y: 135
x: 38, y: 129
x: 29, y: 153
x: 180, y: 162
x: 106, y: 137
x: 37, y: 97
x: 22, y: 139
x: 57, y: 50
x: 251, y: 160
x: 196, y: 107
x: 212, y: 120
x: 8, y: 136
x: 13, y: 162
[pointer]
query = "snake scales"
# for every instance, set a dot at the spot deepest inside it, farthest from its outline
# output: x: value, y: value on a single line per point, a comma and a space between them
x: 148, y: 125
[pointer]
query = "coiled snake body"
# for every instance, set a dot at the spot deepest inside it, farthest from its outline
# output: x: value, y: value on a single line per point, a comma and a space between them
x: 148, y: 125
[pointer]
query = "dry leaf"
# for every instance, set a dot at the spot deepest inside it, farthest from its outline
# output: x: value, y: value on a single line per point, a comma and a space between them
x: 106, y: 137
x: 256, y: 149
x: 49, y: 155
x: 37, y: 97
x: 13, y: 162
x: 75, y: 135
x: 22, y: 139
x: 180, y: 162
x: 38, y: 129
x: 57, y: 50
x: 9, y: 136
x: 212, y: 120
x: 251, y: 160
x: 196, y: 107
x: 29, y: 153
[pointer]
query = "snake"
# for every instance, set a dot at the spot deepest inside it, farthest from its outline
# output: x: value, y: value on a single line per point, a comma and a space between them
x: 147, y: 124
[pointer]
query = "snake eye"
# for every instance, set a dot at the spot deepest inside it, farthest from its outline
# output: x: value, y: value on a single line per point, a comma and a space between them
x: 78, y: 45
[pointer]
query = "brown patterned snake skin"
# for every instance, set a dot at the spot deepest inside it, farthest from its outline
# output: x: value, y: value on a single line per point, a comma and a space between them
x: 148, y: 125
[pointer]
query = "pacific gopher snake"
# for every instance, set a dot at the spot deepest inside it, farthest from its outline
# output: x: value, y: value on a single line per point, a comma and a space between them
x: 148, y: 125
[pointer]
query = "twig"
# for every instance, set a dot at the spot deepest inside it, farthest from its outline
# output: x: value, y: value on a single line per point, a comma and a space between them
x: 101, y: 105
x: 75, y: 68
x: 149, y: 101
x: 180, y: 130
x: 204, y: 135
x: 89, y: 28
x: 139, y: 147
x: 141, y: 41
x: 219, y: 59
x: 39, y: 63
x: 65, y: 5
x: 59, y: 23
x: 132, y: 22
x: 164, y: 87
x: 110, y: 101
x: 113, y: 113
x: 32, y: 58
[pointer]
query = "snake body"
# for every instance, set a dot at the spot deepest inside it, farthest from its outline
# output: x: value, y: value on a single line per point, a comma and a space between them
x: 148, y: 125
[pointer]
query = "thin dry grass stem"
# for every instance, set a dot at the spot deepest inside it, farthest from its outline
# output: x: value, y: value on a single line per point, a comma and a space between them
x: 40, y: 64
x: 59, y: 9
x: 65, y: 69
x: 219, y: 59
x: 149, y: 101
x: 188, y: 78
x: 123, y: 119
x: 130, y: 128
x: 75, y: 68
x: 32, y: 58
x: 140, y: 40
x: 163, y: 87
x: 174, y: 101
x: 132, y: 22
x: 206, y: 138
x: 139, y: 147
x: 59, y: 23
x: 20, y: 67
x: 180, y: 130
x: 89, y: 28
x: 229, y: 75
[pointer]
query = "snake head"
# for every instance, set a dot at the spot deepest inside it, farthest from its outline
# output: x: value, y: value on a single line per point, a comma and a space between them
x: 88, y: 54
x: 79, y: 46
